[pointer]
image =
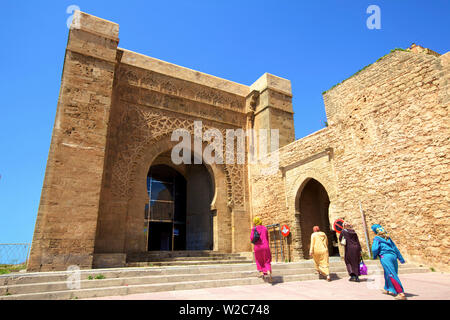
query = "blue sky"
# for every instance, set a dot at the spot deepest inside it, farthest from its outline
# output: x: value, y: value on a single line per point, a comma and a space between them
x: 315, y: 44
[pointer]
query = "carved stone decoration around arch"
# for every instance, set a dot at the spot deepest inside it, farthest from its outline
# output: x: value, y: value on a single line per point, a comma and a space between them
x: 135, y: 241
x: 139, y: 129
x: 177, y: 87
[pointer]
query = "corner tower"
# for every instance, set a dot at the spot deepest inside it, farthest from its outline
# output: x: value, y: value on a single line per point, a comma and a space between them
x: 66, y: 222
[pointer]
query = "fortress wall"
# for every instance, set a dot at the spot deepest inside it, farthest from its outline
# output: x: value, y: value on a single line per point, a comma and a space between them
x: 275, y: 186
x: 393, y: 126
x: 67, y: 217
x: 387, y: 146
x: 152, y: 98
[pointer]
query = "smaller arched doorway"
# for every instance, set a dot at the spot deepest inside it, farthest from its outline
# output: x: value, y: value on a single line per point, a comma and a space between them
x: 312, y: 204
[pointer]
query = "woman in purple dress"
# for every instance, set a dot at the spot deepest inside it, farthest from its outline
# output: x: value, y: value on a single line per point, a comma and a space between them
x: 261, y: 248
x: 352, y: 251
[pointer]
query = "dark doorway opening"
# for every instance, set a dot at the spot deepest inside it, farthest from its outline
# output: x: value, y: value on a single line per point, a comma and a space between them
x: 160, y: 237
x: 166, y: 212
x: 199, y: 218
x: 178, y: 214
x: 313, y: 207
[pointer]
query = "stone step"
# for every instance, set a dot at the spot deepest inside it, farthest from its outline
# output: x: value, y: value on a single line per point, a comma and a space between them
x: 188, y: 262
x: 175, y: 259
x: 184, y: 271
x: 131, y: 280
x: 39, y: 277
x: 174, y: 254
x: 126, y: 288
x: 110, y: 282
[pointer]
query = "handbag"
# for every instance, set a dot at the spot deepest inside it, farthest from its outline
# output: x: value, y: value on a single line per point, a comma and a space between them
x: 256, y: 236
x: 362, y: 268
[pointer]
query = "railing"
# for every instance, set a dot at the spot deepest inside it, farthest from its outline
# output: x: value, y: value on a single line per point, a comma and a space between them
x: 275, y: 241
x: 14, y: 253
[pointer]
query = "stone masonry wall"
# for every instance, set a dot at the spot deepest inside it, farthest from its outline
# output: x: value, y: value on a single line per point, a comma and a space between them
x: 148, y: 106
x: 387, y: 146
x: 277, y: 185
x: 67, y: 217
x: 393, y: 155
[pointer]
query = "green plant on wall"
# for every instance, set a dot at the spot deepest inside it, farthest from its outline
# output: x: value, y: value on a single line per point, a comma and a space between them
x: 379, y: 59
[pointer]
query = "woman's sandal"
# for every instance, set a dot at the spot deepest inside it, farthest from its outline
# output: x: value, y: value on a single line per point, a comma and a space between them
x: 400, y: 297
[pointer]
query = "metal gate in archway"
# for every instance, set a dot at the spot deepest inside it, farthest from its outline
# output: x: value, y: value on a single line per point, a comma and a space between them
x: 276, y: 241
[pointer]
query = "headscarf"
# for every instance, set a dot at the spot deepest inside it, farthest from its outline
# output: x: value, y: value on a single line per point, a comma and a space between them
x: 316, y: 229
x: 380, y: 231
x: 257, y: 221
x: 347, y: 225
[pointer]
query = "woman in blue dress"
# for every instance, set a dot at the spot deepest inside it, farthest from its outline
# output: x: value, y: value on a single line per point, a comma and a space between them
x: 385, y: 248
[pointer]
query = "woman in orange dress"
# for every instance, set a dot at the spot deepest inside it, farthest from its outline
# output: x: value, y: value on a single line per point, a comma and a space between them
x: 319, y: 251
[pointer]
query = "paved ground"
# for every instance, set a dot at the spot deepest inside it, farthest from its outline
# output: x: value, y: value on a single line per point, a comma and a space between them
x: 418, y: 286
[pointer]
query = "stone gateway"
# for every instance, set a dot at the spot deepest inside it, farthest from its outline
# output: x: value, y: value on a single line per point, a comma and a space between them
x: 111, y: 190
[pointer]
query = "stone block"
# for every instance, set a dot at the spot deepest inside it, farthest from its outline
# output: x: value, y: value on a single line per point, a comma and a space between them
x: 109, y: 260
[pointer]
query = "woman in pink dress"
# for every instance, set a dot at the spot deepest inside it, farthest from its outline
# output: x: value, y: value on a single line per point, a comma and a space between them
x: 262, y: 249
